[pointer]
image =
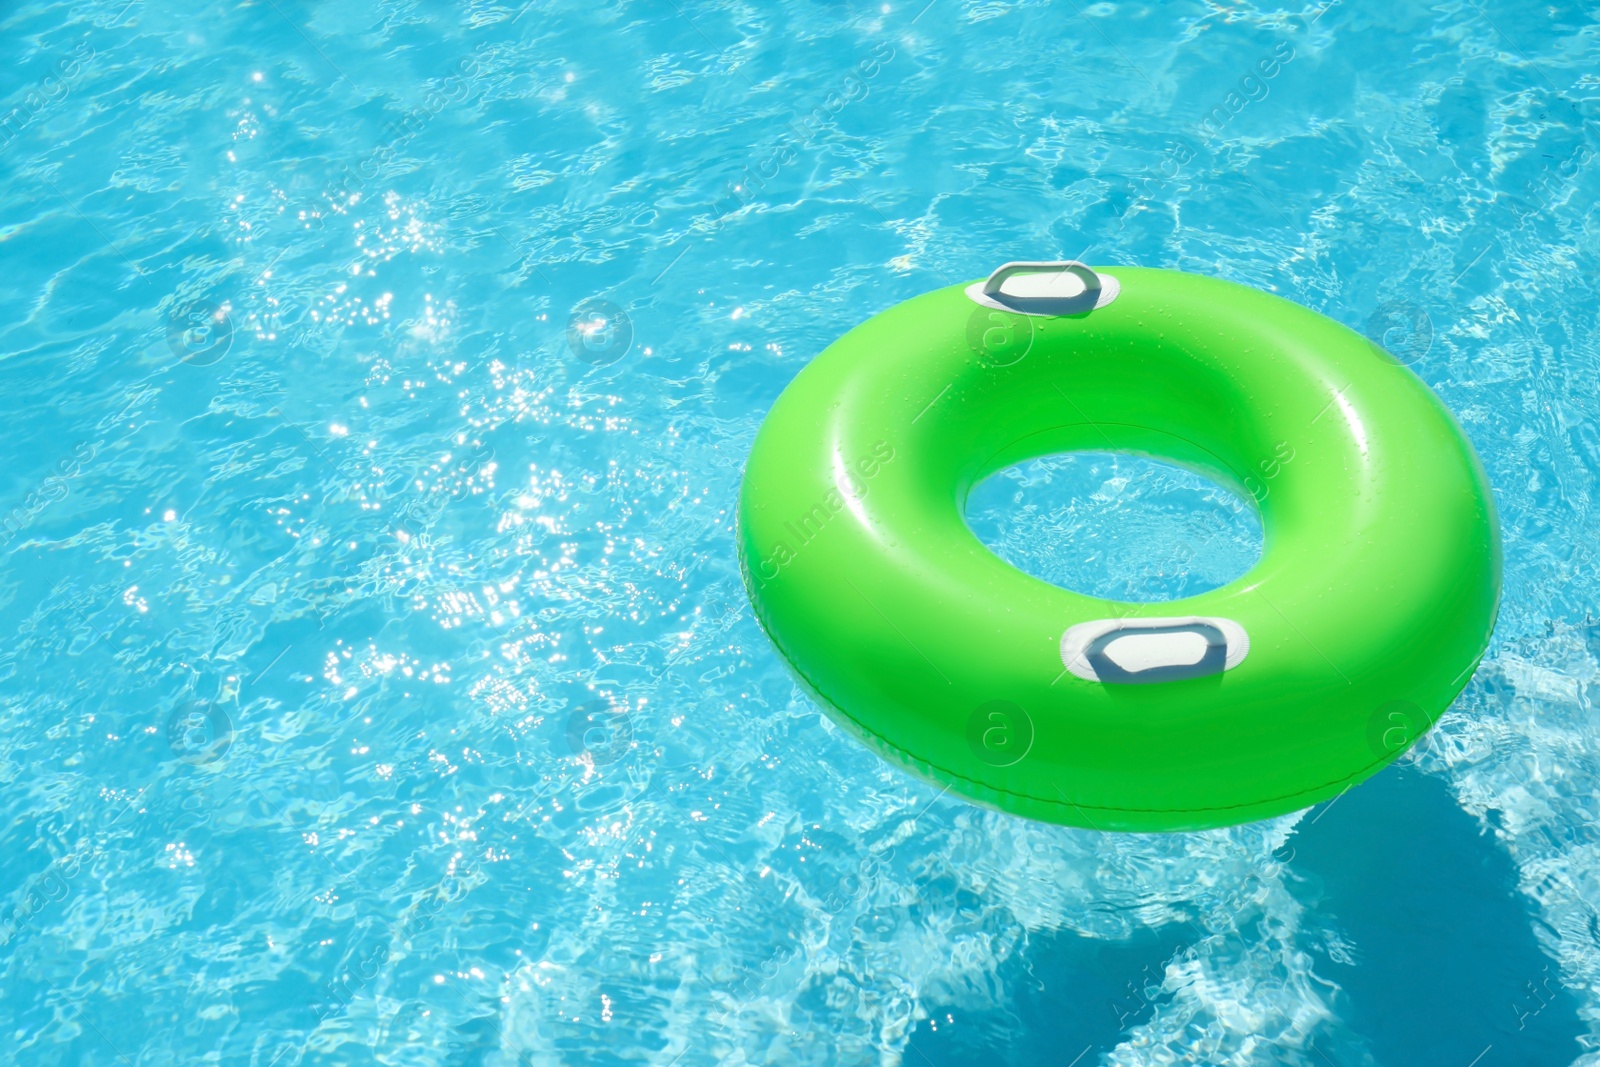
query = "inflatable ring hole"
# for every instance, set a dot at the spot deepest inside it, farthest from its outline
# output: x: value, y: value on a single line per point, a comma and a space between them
x: 1116, y: 526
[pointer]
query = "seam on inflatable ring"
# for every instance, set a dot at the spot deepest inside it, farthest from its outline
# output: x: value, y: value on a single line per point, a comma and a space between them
x: 789, y: 661
x: 1067, y: 805
x: 1362, y: 772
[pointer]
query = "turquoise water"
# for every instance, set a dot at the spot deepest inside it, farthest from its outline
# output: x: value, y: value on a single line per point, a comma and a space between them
x: 379, y: 687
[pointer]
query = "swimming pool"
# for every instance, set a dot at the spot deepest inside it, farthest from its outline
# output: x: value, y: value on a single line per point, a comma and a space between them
x: 380, y: 687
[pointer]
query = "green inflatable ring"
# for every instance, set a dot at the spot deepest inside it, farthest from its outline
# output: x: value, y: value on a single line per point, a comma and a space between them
x: 1369, y: 610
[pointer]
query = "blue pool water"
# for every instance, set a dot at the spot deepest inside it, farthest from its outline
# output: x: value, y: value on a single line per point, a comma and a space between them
x: 378, y: 684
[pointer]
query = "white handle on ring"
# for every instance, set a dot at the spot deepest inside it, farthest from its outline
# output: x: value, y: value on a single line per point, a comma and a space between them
x: 1098, y: 289
x: 1153, y: 649
x: 1091, y: 280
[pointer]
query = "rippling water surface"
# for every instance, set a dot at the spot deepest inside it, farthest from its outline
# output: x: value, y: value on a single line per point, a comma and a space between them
x: 378, y: 685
